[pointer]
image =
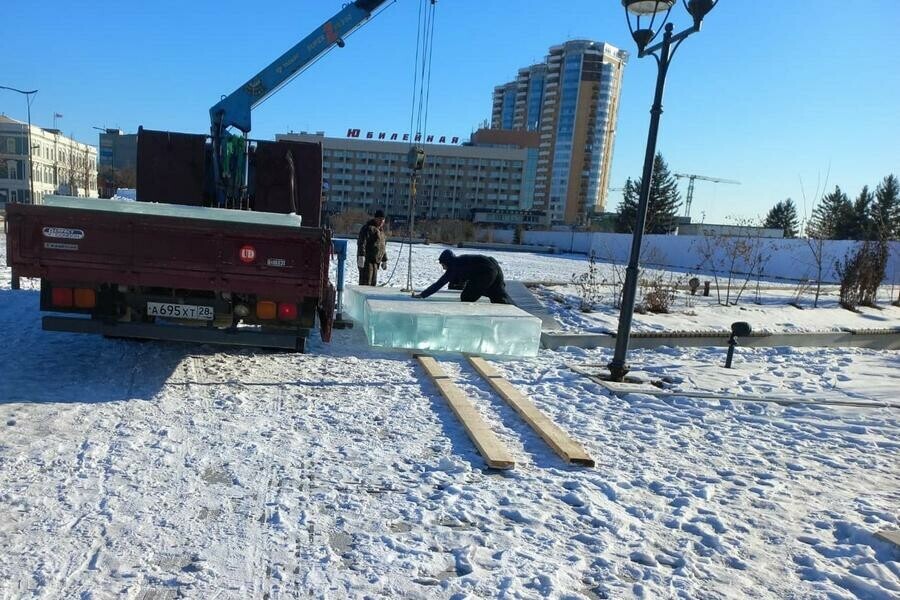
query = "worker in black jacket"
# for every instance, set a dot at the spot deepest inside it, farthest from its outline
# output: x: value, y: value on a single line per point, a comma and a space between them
x: 371, y: 249
x: 480, y: 274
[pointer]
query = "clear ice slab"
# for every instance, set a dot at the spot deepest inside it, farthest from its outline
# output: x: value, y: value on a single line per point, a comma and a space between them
x: 174, y: 210
x: 441, y: 323
x: 355, y: 297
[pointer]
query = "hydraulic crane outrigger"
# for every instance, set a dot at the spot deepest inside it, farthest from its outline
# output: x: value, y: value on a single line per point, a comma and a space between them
x: 229, y: 152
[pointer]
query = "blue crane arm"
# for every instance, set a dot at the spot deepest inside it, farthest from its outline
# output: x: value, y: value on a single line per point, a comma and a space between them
x: 234, y: 110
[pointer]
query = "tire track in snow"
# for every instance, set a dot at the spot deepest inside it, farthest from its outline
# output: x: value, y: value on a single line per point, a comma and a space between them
x: 95, y: 457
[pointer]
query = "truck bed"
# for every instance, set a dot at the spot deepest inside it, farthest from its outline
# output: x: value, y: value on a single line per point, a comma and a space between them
x: 93, y: 241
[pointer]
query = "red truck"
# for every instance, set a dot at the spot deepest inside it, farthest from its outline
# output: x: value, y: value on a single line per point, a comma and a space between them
x: 213, y: 250
x: 184, y: 272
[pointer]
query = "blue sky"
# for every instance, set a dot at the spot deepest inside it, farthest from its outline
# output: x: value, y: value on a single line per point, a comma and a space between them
x: 769, y: 93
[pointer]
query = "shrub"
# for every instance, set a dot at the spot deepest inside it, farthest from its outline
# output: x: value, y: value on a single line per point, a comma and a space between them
x: 349, y: 222
x: 446, y: 231
x: 861, y: 272
x: 659, y: 294
x: 590, y: 284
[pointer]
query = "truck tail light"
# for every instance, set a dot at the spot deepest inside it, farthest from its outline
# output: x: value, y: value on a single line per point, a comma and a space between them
x: 85, y: 298
x: 266, y: 309
x: 287, y: 311
x: 61, y: 297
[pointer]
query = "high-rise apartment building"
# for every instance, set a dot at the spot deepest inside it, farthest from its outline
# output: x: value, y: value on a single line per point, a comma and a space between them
x: 572, y: 100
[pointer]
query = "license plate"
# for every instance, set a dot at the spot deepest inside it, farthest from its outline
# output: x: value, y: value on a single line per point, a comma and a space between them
x: 180, y: 311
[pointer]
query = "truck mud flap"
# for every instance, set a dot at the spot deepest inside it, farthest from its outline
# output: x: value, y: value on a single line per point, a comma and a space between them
x: 326, y: 314
x: 286, y: 340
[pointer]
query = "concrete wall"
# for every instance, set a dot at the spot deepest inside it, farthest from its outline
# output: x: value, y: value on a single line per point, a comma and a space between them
x: 790, y: 259
x: 501, y: 236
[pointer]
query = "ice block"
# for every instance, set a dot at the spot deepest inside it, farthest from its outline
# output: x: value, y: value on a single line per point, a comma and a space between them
x: 175, y: 210
x: 440, y: 326
x: 355, y: 297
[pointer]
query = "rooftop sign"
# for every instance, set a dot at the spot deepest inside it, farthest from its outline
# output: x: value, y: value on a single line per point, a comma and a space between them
x: 402, y: 137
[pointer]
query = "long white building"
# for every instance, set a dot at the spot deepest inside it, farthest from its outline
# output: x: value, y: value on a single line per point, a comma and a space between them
x: 488, y: 175
x: 61, y: 165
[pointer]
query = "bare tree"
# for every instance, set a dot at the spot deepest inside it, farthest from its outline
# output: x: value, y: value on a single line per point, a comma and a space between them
x: 708, y: 251
x: 755, y: 255
x: 605, y: 254
x: 734, y: 256
x: 803, y: 287
x: 815, y: 239
x: 125, y: 178
x: 71, y: 175
x: 85, y: 171
x: 765, y: 255
x: 649, y: 255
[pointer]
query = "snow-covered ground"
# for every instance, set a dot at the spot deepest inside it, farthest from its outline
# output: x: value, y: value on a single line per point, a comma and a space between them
x: 772, y: 310
x: 158, y: 470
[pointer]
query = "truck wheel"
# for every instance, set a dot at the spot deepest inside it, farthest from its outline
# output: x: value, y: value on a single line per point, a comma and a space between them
x: 301, y: 345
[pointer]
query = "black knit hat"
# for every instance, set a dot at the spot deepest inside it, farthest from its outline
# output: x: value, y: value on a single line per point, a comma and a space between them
x: 446, y: 256
x: 379, y: 214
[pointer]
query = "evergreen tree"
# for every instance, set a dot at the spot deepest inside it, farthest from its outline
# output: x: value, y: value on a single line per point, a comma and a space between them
x: 886, y: 209
x: 662, y: 206
x: 832, y: 219
x: 627, y: 216
x: 783, y: 216
x: 861, y: 225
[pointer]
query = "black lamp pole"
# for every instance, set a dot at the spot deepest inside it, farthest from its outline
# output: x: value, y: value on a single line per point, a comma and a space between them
x: 666, y: 50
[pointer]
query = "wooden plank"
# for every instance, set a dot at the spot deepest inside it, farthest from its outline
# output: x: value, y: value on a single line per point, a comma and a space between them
x: 489, y: 445
x: 891, y: 536
x: 570, y: 450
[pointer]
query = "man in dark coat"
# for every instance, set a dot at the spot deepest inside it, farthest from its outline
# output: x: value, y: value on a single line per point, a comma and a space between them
x: 481, y: 276
x: 371, y: 250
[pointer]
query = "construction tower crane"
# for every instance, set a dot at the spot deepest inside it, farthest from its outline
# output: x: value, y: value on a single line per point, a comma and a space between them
x: 690, y: 192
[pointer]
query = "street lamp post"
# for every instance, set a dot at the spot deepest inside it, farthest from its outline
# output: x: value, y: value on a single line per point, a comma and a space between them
x: 28, y: 100
x: 663, y: 53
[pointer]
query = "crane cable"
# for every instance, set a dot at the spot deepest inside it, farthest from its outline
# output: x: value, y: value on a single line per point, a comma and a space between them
x: 418, y: 117
x: 424, y: 54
